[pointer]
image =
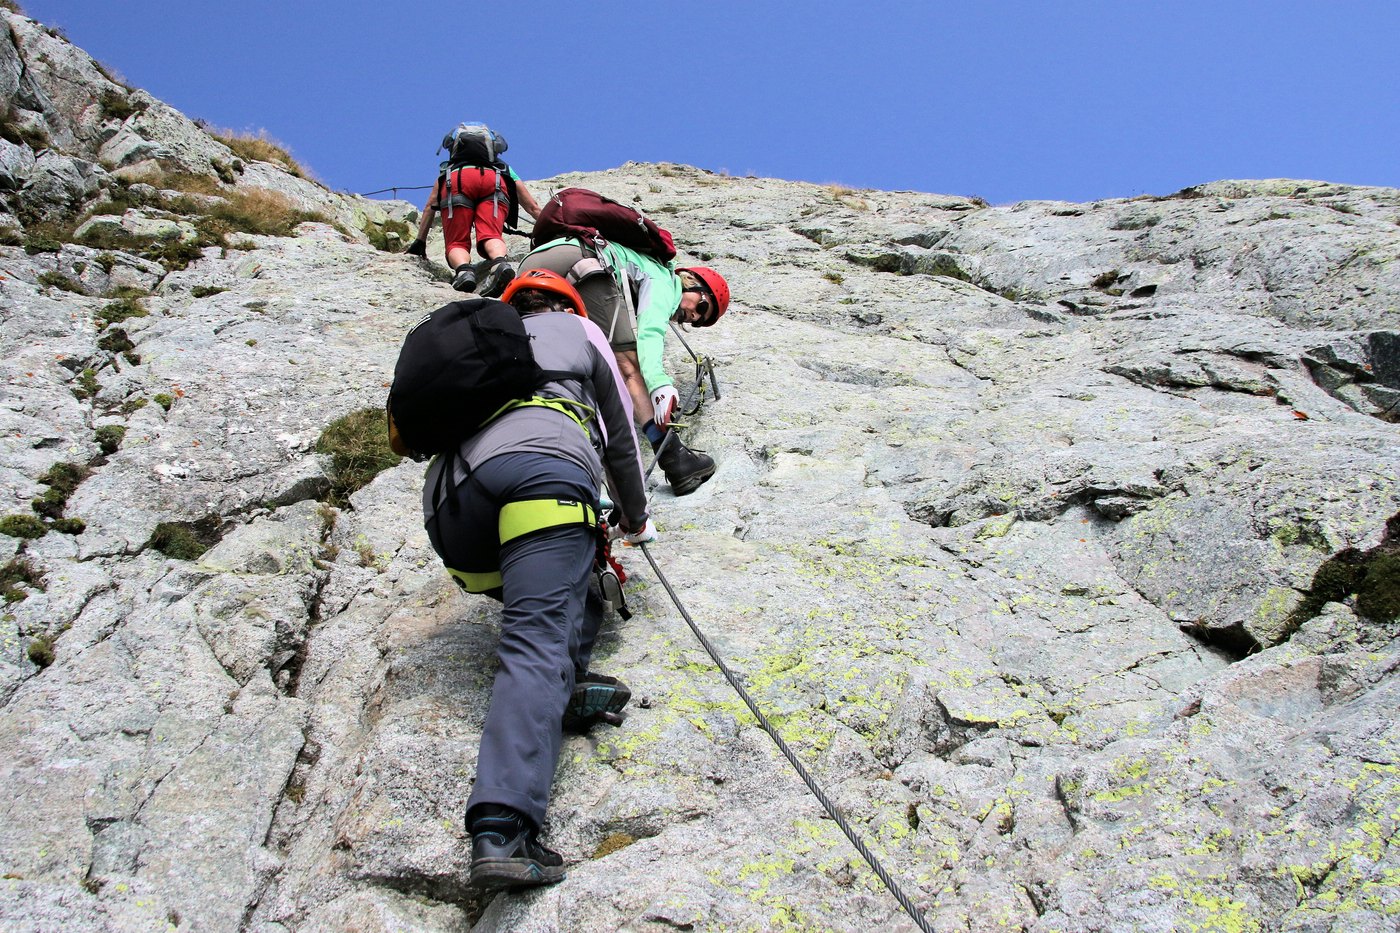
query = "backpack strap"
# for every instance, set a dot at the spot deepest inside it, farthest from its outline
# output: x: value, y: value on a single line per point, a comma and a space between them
x: 512, y: 197
x: 576, y: 411
x: 440, y: 192
x: 450, y: 193
x: 623, y: 284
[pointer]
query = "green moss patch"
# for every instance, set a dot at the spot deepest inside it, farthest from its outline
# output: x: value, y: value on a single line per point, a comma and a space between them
x: 86, y: 385
x: 187, y: 540
x: 23, y: 526
x: 613, y: 843
x: 62, y: 479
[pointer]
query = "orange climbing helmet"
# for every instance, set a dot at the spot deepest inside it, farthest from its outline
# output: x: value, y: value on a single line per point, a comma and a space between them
x: 545, y: 281
x: 718, y: 290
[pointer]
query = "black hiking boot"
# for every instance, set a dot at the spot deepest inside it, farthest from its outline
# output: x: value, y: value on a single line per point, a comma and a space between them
x: 497, y: 277
x: 505, y: 852
x: 596, y: 698
x: 465, y: 278
x: 685, y: 469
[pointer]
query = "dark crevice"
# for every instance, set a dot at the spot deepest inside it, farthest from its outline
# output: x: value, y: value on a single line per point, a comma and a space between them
x: 445, y: 889
x: 1036, y: 896
x: 293, y: 666
x: 1234, y: 641
x: 1065, y: 804
x: 1370, y: 578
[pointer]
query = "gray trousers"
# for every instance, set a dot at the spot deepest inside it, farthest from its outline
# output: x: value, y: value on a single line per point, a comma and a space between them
x: 549, y: 620
x: 600, y: 293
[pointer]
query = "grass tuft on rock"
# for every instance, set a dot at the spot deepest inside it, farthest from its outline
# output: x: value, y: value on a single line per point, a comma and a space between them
x: 19, y: 571
x: 116, y: 341
x: 358, y: 445
x: 61, y: 282
x: 260, y: 212
x: 258, y: 147
x: 126, y: 306
x: 119, y: 106
x: 1371, y: 577
x: 109, y: 437
x: 15, y: 129
x: 186, y: 540
x: 390, y: 237
x: 40, y: 651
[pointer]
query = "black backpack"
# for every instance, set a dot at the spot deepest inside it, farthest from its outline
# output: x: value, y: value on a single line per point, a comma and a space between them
x: 457, y: 369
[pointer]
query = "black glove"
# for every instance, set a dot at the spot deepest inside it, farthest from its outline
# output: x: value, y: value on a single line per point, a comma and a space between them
x: 418, y: 248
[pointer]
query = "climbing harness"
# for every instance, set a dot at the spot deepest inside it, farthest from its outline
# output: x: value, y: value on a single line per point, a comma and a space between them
x: 520, y: 518
x: 831, y: 808
x: 693, y: 399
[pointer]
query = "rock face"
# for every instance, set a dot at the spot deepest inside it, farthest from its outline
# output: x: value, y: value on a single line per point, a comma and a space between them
x: 1058, y: 540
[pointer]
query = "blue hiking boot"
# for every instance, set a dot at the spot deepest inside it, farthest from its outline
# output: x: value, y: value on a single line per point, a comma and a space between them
x: 596, y: 698
x: 505, y: 852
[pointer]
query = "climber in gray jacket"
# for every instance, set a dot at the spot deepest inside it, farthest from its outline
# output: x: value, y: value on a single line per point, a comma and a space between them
x: 517, y: 518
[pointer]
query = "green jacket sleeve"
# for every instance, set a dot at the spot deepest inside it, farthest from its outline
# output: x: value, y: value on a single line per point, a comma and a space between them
x: 658, y: 292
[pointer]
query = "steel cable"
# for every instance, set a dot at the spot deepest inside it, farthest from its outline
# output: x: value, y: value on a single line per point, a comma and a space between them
x: 831, y: 808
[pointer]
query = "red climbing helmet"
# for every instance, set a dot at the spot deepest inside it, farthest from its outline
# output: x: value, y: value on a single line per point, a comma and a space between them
x: 545, y: 281
x: 717, y: 287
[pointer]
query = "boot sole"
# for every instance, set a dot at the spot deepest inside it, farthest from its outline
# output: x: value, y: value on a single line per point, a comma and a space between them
x: 493, y: 285
x: 492, y: 873
x: 590, y: 701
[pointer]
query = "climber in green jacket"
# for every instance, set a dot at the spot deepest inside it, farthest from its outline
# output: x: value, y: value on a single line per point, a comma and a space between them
x: 633, y: 298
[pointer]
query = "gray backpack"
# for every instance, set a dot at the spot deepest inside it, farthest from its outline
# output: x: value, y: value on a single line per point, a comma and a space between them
x: 474, y: 144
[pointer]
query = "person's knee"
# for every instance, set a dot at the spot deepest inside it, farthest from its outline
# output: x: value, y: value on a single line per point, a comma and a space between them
x: 628, y: 365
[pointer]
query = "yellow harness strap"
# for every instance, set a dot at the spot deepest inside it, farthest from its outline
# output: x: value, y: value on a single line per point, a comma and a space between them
x: 522, y: 518
x: 527, y: 515
x: 565, y: 406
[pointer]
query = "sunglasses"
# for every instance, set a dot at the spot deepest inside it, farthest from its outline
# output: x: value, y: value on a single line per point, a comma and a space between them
x: 702, y: 307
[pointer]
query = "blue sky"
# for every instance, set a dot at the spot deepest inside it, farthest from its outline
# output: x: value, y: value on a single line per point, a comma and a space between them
x: 1003, y: 99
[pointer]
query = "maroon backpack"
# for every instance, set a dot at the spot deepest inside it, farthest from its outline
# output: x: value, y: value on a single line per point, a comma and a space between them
x: 589, y: 216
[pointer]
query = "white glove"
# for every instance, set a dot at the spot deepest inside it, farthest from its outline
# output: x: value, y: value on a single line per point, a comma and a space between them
x: 645, y: 536
x: 664, y: 400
